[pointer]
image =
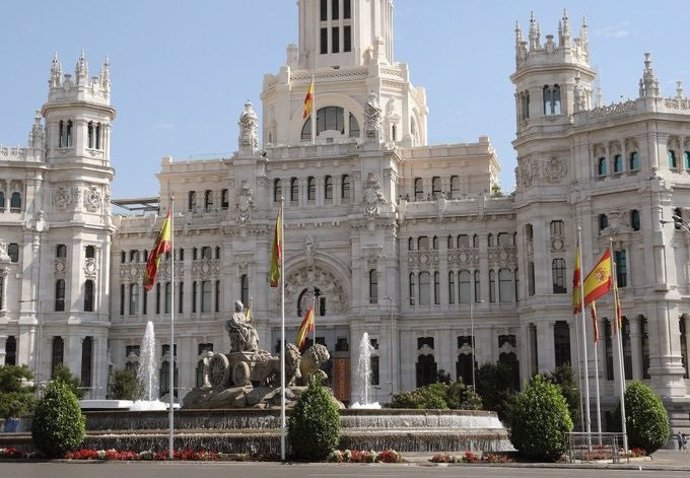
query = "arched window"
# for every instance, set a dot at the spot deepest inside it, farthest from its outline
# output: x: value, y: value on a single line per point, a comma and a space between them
x: 601, y: 167
x: 330, y: 118
x: 603, y: 222
x: 558, y: 276
x: 434, y: 243
x: 217, y: 252
x: 412, y: 288
x: 672, y: 163
x: 89, y: 252
x: 60, y: 251
x: 68, y: 134
x: 634, y: 161
x: 463, y: 241
x: 224, y: 200
x: 410, y: 244
x: 277, y: 190
x: 13, y: 252
x: 328, y: 188
x: 206, y: 253
x: 450, y: 241
x: 16, y: 202
x: 60, y: 295
x: 98, y: 136
x: 547, y: 100
x: 208, y: 200
x: 552, y: 100
x: 618, y: 163
x: 294, y: 190
x: 191, y: 201
x: 345, y: 191
x: 90, y: 133
x: 373, y: 287
x: 556, y: 100
x: 418, y: 189
x: 354, y: 126
x: 57, y: 354
x: 435, y: 186
x: 134, y: 255
x: 88, y: 295
x: 454, y: 187
x: 61, y: 134
x: 423, y: 243
x: 311, y: 188
x: 86, y: 361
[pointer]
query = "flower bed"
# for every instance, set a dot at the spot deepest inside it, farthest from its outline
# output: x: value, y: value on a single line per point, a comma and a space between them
x: 365, y: 456
x: 147, y: 455
x: 471, y: 457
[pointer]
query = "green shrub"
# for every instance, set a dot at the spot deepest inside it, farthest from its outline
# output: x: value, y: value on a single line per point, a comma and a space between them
x: 58, y: 424
x: 564, y: 377
x: 428, y: 397
x: 63, y: 374
x: 314, y: 425
x: 125, y: 385
x: 16, y: 397
x: 646, y: 419
x: 497, y: 386
x: 540, y: 421
x: 462, y: 397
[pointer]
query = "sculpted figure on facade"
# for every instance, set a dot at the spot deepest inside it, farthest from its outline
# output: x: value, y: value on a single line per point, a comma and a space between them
x: 373, y: 195
x: 245, y: 202
x: 37, y: 135
x: 243, y: 336
x: 248, y: 126
x: 92, y: 199
x: 372, y: 117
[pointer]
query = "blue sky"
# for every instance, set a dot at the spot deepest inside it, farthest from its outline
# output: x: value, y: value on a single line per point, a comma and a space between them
x: 181, y: 71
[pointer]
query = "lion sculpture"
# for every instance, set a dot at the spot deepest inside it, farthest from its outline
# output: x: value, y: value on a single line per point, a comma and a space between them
x: 312, y: 361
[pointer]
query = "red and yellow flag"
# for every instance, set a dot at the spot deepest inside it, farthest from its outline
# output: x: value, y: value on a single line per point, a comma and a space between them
x: 595, y: 322
x: 277, y: 251
x: 599, y: 281
x: 162, y: 245
x: 309, y: 100
x: 306, y: 327
x: 619, y: 313
x: 577, y: 280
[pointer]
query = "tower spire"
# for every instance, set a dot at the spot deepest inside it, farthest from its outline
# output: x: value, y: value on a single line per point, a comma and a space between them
x: 81, y: 71
x: 105, y: 75
x: 649, y: 84
x: 55, y: 71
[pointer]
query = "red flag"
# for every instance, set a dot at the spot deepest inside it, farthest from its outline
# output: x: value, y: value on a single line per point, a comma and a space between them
x: 619, y: 313
x: 577, y: 280
x: 309, y: 100
x: 277, y: 251
x: 162, y: 246
x: 595, y: 322
x: 305, y: 327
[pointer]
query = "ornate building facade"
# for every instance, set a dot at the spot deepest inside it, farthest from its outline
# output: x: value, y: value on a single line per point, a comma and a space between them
x: 384, y: 233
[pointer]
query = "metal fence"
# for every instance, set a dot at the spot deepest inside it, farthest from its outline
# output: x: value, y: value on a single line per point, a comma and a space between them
x: 590, y: 447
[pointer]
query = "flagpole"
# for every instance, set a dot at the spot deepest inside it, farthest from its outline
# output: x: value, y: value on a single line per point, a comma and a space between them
x: 282, y: 331
x: 171, y: 410
x: 596, y: 386
x: 313, y: 319
x: 313, y: 112
x: 619, y: 346
x: 588, y: 416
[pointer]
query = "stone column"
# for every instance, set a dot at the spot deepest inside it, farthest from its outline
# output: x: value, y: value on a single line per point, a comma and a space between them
x: 545, y: 342
x: 635, y: 347
x: 443, y: 271
x: 3, y: 351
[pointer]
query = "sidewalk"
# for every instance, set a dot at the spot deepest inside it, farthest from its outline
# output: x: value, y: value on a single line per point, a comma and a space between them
x: 668, y: 460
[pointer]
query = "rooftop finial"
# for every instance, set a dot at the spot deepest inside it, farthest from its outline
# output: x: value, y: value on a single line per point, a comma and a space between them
x: 649, y: 85
x: 55, y: 71
x: 532, y: 32
x: 81, y: 71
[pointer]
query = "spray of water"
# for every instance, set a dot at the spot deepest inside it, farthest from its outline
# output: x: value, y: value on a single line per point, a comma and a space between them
x: 363, y: 382
x: 147, y: 373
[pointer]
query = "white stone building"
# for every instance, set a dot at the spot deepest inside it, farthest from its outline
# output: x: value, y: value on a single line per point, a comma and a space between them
x: 411, y: 243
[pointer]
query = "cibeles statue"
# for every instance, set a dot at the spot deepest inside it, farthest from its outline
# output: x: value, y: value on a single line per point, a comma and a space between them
x: 243, y: 336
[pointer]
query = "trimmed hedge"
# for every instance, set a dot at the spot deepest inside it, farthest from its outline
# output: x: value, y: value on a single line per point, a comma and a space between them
x: 58, y: 424
x: 314, y: 426
x: 540, y: 421
x: 646, y: 418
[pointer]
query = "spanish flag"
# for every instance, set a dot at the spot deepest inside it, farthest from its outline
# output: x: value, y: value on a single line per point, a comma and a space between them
x: 162, y: 245
x: 309, y: 100
x: 277, y: 251
x: 306, y: 327
x: 595, y: 322
x: 599, y: 281
x: 577, y: 280
x: 619, y: 313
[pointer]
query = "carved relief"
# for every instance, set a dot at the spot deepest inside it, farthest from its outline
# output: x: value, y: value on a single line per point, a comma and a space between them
x: 502, y: 257
x: 245, y: 202
x: 65, y: 197
x: 550, y: 170
x: 554, y: 169
x: 307, y: 277
x: 466, y: 259
x: 92, y: 199
x: 205, y: 269
x: 373, y: 195
x: 90, y: 268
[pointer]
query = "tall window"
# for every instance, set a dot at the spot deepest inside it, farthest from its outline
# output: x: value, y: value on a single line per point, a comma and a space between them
x: 437, y: 288
x: 2, y: 201
x: 373, y: 287
x: 217, y: 297
x: 57, y: 355
x: 60, y: 295
x: 621, y: 268
x: 635, y: 220
x: 530, y: 279
x: 311, y: 188
x: 168, y: 297
x: 424, y: 288
x: 354, y: 124
x: 451, y: 287
x: 345, y: 191
x: 133, y: 299
x: 277, y: 190
x: 180, y: 297
x: 423, y: 243
x: 561, y: 339
x: 686, y: 160
x: 435, y: 186
x: 464, y: 287
x: 418, y: 189
x: 90, y: 252
x: 294, y: 190
x: 608, y: 349
x: 205, y: 296
x: 556, y: 228
x: 505, y: 285
x: 552, y: 100
x: 603, y: 222
x: 335, y: 39
x: 86, y: 361
x: 601, y: 166
x: 558, y: 276
x: 195, y: 293
x: 413, y: 288
x: 158, y: 298
x: 328, y: 188
x: 634, y: 161
x: 88, y: 295
x: 2, y: 292
x: 61, y: 251
x: 618, y: 163
x: 244, y: 289
x: 11, y: 351
x: 16, y: 202
x: 492, y: 286
x: 224, y: 200
x: 454, y: 187
x: 426, y: 366
x: 208, y: 200
x: 191, y: 201
x: 672, y: 163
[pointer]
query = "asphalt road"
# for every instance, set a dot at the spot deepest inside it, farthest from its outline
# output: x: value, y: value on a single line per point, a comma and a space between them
x: 276, y: 470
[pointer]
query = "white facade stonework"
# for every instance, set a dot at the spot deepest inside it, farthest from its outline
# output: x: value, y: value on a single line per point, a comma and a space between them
x: 411, y: 243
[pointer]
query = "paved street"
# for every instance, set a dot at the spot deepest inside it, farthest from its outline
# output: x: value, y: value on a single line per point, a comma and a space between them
x: 275, y: 470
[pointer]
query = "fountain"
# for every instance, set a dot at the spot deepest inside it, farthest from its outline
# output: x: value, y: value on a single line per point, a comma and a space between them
x: 147, y: 373
x: 364, y: 375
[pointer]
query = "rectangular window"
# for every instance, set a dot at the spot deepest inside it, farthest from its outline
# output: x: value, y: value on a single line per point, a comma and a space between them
x: 464, y: 287
x: 168, y: 292
x: 324, y: 41
x: 424, y: 288
x: 205, y: 296
x: 451, y: 287
x: 335, y: 10
x: 144, y: 300
x: 133, y: 299
x: 180, y: 298
x: 217, y: 304
x: 194, y: 294
x: 530, y: 278
x: 347, y: 9
x: 347, y: 38
x: 373, y: 287
x: 621, y: 268
x: 158, y: 298
x: 324, y: 10
x: 437, y: 288
x: 335, y: 38
x: 122, y: 300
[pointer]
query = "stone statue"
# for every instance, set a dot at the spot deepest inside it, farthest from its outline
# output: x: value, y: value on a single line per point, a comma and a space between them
x: 372, y: 117
x: 248, y: 124
x: 243, y: 337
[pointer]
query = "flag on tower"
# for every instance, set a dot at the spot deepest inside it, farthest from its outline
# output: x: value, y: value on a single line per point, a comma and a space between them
x: 309, y: 100
x: 162, y: 246
x: 599, y: 281
x: 577, y: 280
x: 306, y: 327
x: 277, y: 250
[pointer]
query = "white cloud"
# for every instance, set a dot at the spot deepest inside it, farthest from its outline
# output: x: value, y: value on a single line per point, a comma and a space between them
x: 614, y: 31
